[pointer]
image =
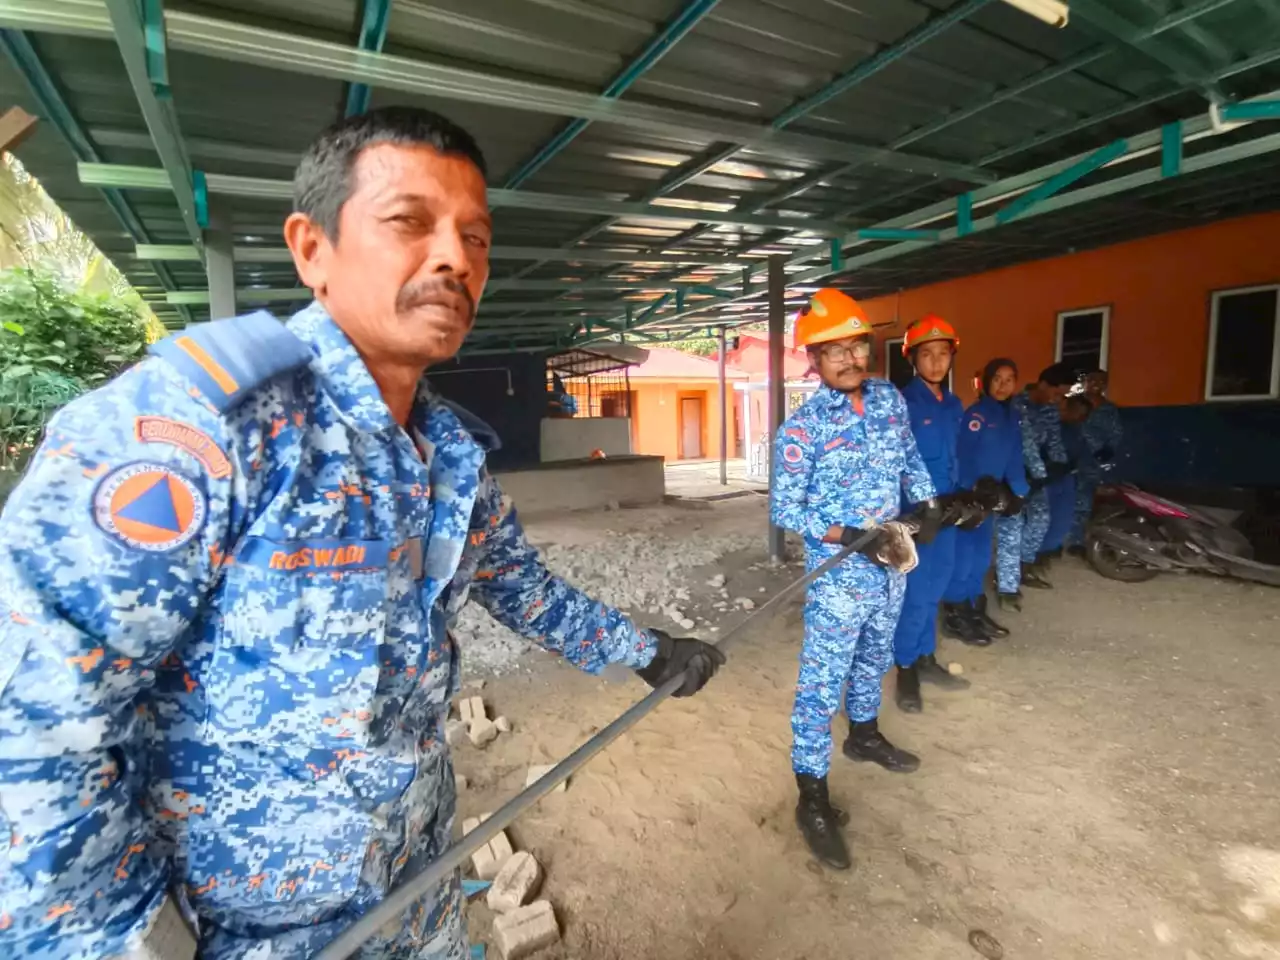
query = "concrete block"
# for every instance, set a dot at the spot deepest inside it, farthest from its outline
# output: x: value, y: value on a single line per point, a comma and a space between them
x: 464, y: 710
x: 538, y: 771
x: 489, y: 859
x: 460, y: 782
x: 455, y: 732
x: 516, y: 883
x: 483, y: 732
x: 475, y: 709
x: 525, y: 931
x: 503, y: 725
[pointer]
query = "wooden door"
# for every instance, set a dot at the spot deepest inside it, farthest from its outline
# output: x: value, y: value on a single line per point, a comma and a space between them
x: 690, y: 428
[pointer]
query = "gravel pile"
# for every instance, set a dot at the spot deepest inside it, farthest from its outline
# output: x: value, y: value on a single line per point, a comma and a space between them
x: 639, y: 573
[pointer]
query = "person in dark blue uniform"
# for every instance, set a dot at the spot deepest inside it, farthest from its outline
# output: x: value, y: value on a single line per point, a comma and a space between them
x: 990, y: 446
x: 931, y: 344
x: 1062, y: 492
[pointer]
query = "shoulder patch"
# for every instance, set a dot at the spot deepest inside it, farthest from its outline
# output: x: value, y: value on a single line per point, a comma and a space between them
x: 149, y: 506
x: 185, y: 437
x: 227, y: 359
x: 792, y: 457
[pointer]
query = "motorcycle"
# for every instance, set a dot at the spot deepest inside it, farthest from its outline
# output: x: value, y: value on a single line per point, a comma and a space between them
x: 1135, y: 535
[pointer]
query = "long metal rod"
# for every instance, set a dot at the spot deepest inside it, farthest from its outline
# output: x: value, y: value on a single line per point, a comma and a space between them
x: 724, y: 416
x: 439, y: 869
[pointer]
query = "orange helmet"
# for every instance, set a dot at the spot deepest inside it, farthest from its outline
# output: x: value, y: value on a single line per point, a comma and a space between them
x: 831, y: 315
x: 927, y: 328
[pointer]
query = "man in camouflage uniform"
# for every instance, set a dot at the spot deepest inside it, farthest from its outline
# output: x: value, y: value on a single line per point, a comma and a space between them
x: 1045, y: 458
x: 843, y: 463
x: 1102, y: 437
x: 225, y: 587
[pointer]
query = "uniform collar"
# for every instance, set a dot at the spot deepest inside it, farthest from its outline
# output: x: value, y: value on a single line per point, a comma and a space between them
x: 346, y: 378
x: 919, y: 388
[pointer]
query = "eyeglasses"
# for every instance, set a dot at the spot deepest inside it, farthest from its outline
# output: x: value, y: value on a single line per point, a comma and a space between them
x: 842, y: 352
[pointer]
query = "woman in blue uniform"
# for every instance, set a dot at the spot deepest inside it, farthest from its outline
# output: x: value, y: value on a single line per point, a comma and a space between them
x: 930, y: 343
x: 990, y: 445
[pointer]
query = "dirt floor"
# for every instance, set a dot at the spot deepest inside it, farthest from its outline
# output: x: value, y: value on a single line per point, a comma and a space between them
x: 1108, y: 787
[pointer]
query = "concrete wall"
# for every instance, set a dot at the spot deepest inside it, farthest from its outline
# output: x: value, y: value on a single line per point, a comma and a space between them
x: 586, y: 485
x: 576, y: 438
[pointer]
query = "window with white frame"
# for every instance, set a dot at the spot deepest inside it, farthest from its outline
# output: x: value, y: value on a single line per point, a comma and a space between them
x: 1244, y: 344
x: 1083, y: 337
x: 898, y: 368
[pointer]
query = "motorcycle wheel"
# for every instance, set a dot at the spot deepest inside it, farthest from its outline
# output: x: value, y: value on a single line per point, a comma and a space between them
x: 1112, y: 564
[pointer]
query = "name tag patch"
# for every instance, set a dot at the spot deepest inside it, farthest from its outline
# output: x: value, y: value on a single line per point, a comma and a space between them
x: 315, y: 556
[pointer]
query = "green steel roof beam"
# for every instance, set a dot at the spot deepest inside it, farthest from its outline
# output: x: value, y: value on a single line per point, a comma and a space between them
x: 56, y: 110
x: 133, y: 36
x: 375, y: 19
x: 149, y: 178
x: 1116, y: 26
x: 245, y: 43
x: 255, y: 253
x: 685, y: 20
x: 1139, y: 146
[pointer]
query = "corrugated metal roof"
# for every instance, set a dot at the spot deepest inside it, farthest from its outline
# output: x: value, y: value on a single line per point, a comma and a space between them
x: 991, y: 89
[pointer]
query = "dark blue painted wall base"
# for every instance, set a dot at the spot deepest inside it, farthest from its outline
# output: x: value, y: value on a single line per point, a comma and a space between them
x: 1211, y: 445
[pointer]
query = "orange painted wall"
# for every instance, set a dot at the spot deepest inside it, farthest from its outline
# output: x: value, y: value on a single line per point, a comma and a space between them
x: 1158, y: 289
x: 657, y: 416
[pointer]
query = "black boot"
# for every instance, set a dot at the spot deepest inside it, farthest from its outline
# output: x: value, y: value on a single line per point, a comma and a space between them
x: 958, y: 626
x: 1031, y: 577
x: 866, y: 742
x: 1010, y: 601
x: 970, y: 613
x: 818, y: 822
x: 991, y: 626
x: 929, y: 670
x: 907, y: 691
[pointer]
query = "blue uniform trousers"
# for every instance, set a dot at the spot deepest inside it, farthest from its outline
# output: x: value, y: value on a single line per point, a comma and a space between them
x: 1035, y: 525
x: 849, y: 619
x: 1086, y: 487
x: 1062, y: 512
x: 916, y: 635
x: 1009, y: 553
x: 973, y: 559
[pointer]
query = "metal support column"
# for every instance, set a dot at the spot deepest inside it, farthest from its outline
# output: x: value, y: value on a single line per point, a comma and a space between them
x: 777, y: 384
x: 725, y: 413
x: 220, y: 264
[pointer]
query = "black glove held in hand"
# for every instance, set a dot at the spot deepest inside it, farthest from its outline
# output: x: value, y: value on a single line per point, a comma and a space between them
x: 989, y: 493
x: 698, y: 662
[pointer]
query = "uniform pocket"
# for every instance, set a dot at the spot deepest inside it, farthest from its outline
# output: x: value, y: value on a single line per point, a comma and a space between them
x: 297, y: 657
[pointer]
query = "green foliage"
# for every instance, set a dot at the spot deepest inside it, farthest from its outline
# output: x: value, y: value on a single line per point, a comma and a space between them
x: 55, y: 343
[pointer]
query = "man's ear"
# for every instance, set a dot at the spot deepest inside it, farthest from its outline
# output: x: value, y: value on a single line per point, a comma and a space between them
x: 311, y: 249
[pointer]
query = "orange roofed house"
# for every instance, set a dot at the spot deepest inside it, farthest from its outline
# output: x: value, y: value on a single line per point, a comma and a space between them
x: 675, y: 406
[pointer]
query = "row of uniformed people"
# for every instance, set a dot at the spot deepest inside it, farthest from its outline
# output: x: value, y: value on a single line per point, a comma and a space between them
x: 859, y: 455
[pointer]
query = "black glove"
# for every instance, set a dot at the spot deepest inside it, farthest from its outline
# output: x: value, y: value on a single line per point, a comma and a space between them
x: 927, y: 519
x: 698, y: 662
x: 1036, y: 484
x: 1055, y: 471
x: 1105, y: 455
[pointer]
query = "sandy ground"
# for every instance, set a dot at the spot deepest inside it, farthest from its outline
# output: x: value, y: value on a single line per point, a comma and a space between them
x: 1106, y: 789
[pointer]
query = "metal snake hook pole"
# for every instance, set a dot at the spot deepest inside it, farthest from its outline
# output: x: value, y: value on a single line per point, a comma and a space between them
x: 439, y: 869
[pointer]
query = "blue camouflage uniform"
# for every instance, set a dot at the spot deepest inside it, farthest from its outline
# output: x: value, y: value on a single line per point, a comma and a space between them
x: 225, y: 587
x: 1102, y: 435
x: 1041, y: 443
x: 990, y: 446
x: 834, y: 466
x: 935, y: 423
